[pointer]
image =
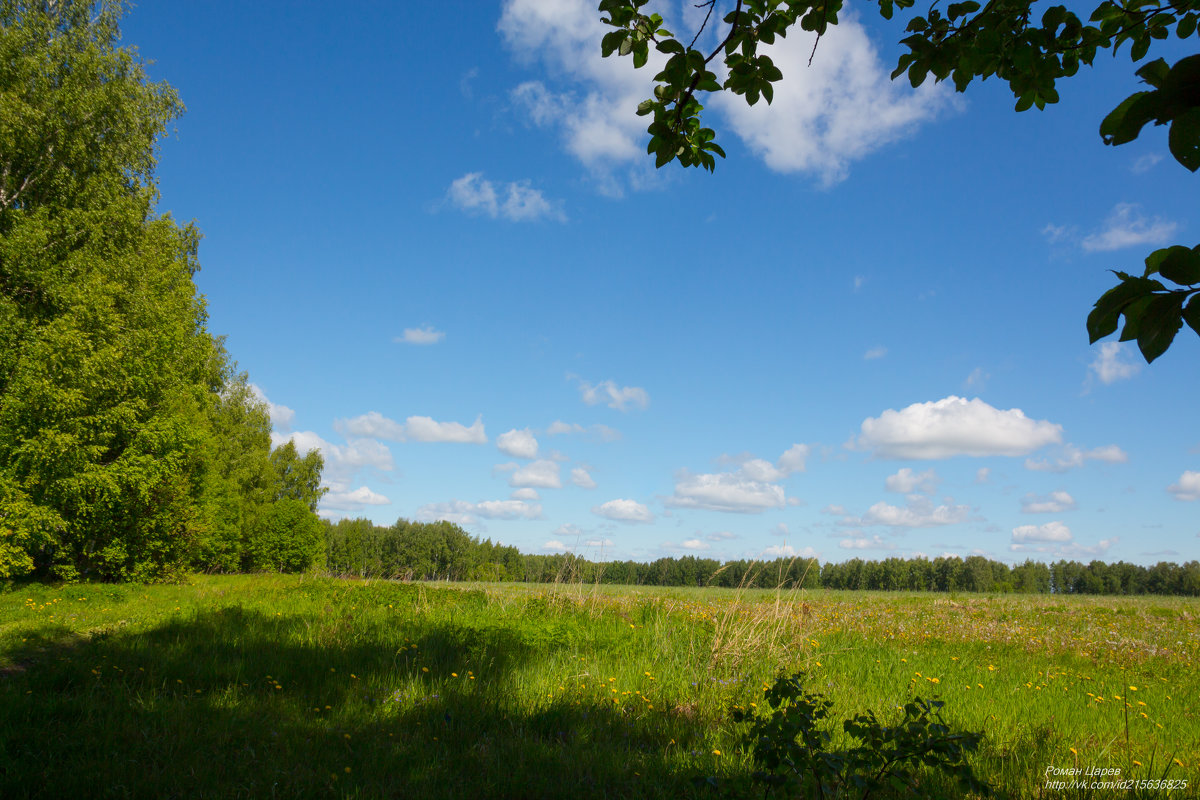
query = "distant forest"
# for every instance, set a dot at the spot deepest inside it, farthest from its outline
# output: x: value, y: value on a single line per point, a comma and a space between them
x: 444, y: 551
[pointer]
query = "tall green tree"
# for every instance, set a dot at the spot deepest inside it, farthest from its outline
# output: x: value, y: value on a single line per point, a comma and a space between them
x: 1028, y: 44
x: 122, y: 441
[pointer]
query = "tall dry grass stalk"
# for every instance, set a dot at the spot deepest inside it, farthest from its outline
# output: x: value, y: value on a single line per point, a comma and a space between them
x: 747, y: 629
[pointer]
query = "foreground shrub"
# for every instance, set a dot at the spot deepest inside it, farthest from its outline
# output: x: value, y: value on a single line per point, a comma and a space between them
x: 791, y: 745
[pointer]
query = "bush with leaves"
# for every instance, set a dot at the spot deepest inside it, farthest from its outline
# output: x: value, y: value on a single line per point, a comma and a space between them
x: 792, y: 746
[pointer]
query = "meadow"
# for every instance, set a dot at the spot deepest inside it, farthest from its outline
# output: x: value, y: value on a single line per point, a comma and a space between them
x: 287, y: 686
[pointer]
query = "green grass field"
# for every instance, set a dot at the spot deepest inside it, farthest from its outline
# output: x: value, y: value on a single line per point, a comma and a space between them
x: 277, y: 686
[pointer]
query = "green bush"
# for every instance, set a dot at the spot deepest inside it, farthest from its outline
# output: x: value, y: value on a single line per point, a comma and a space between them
x: 286, y: 536
x: 792, y: 747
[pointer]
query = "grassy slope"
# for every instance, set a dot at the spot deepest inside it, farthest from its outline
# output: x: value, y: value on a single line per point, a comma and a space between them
x: 253, y: 685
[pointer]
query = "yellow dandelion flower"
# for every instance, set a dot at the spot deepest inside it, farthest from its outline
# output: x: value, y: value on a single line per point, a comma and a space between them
x: 1074, y: 751
x: 1137, y: 763
x: 347, y: 770
x: 716, y: 752
x: 453, y: 674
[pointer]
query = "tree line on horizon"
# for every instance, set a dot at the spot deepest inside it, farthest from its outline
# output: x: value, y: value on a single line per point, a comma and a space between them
x: 444, y: 551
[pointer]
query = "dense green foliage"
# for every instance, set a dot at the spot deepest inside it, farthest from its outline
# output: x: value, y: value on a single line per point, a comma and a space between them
x: 1028, y: 47
x: 129, y: 448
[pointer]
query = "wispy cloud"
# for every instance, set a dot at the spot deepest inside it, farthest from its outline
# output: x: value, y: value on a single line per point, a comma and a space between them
x: 1127, y: 227
x: 516, y: 202
x: 1113, y: 363
x: 423, y: 335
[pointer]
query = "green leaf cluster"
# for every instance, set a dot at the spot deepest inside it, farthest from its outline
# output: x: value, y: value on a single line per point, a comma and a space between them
x: 1030, y: 45
x: 794, y: 748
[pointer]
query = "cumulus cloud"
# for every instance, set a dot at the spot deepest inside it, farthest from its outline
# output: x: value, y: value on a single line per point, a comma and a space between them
x: 542, y: 474
x: 906, y: 481
x: 1071, y: 457
x: 623, y: 510
x: 721, y: 536
x: 341, y: 461
x: 416, y: 429
x: 726, y: 491
x: 461, y: 512
x: 1054, y: 538
x: 954, y: 426
x: 281, y: 416
x: 1126, y: 227
x: 425, y: 335
x: 613, y: 396
x: 836, y: 111
x: 863, y: 543
x: 1188, y: 488
x: 515, y: 202
x: 524, y: 494
x: 919, y: 513
x: 787, y: 551
x: 1113, y: 363
x: 518, y: 443
x: 580, y: 477
x: 793, y: 459
x: 1054, y: 503
x: 353, y: 500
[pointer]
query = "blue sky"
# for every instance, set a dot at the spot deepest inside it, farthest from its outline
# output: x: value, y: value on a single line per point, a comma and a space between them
x: 435, y: 242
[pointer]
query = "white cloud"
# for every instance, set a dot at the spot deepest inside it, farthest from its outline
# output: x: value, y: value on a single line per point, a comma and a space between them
x: 341, y: 461
x: 726, y: 491
x: 463, y: 513
x: 353, y: 500
x: 426, y: 335
x: 721, y: 536
x: 1057, y: 233
x: 863, y: 543
x: 781, y: 530
x: 613, y: 396
x: 1054, y: 503
x: 695, y: 544
x: 983, y: 475
x: 555, y: 544
x: 1112, y: 363
x: 1125, y: 227
x: 417, y: 429
x: 1048, y: 532
x: 874, y: 353
x: 838, y: 110
x: 919, y: 513
x: 1071, y: 457
x: 516, y: 202
x: 1055, y: 538
x: 542, y: 474
x: 623, y: 510
x: 524, y: 494
x: 906, y: 481
x: 1188, y: 488
x: 1145, y: 163
x: 787, y: 551
x: 281, y: 415
x: 793, y: 459
x: 518, y: 443
x: 596, y: 114
x: 580, y: 477
x: 954, y: 426
x: 558, y: 427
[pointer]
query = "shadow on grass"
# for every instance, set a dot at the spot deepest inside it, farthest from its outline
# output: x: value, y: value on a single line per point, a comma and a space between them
x: 236, y: 703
